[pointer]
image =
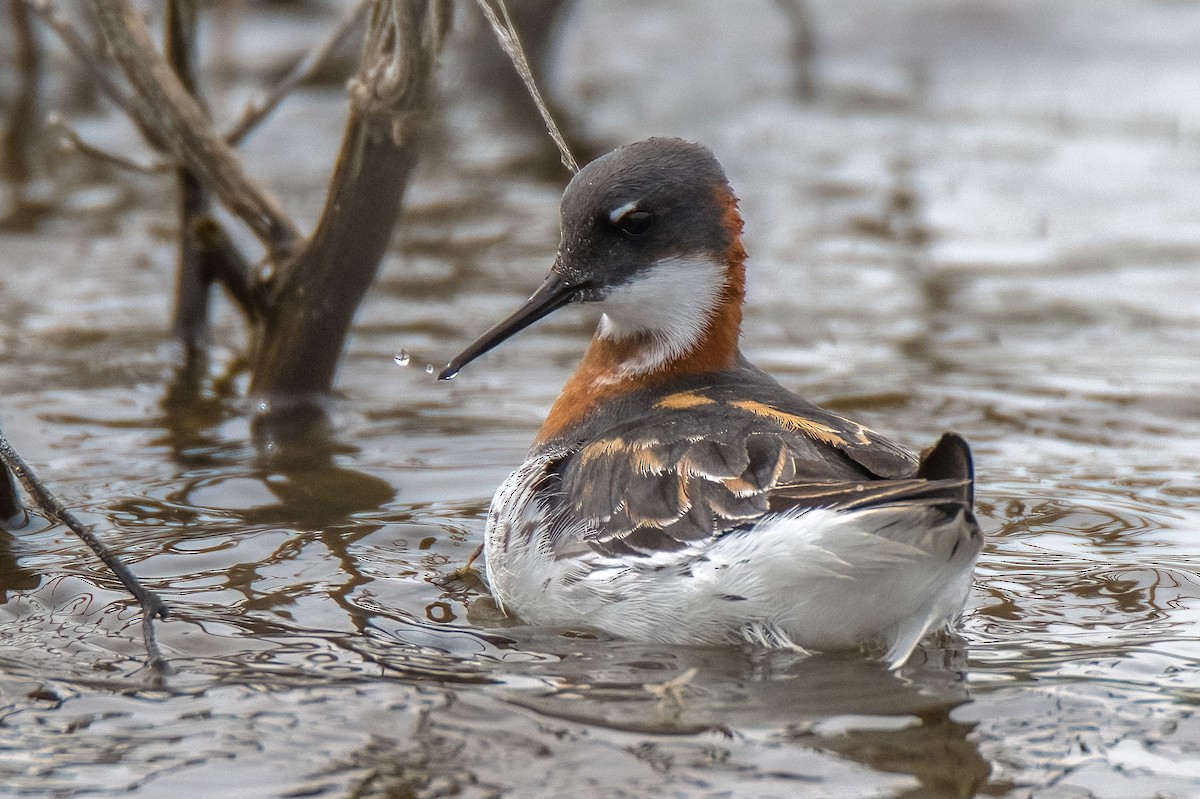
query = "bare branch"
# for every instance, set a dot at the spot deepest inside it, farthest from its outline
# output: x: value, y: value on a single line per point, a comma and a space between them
x: 18, y: 130
x: 69, y: 139
x: 303, y: 69
x: 190, y: 319
x: 133, y: 107
x: 506, y: 34
x: 152, y: 604
x: 186, y: 131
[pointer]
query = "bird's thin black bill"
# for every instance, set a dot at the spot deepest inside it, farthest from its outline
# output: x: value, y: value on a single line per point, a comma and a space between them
x: 553, y: 294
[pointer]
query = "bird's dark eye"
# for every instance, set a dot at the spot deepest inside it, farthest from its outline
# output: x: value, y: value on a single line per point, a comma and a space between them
x: 632, y: 221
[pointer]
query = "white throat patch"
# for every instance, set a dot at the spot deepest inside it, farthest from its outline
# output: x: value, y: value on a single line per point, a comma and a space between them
x: 671, y: 303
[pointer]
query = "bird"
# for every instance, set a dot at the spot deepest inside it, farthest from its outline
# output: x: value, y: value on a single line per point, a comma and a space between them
x: 676, y: 493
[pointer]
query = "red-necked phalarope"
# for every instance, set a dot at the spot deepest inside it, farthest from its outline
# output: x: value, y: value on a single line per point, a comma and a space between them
x: 678, y: 494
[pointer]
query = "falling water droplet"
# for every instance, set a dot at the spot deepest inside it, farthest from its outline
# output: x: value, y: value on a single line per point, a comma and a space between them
x: 402, y: 358
x: 429, y: 369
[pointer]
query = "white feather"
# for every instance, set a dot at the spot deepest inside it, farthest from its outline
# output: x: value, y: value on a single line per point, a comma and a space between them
x: 671, y: 302
x: 817, y: 580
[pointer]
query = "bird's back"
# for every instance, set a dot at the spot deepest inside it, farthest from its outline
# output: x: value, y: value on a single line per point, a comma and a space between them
x: 658, y: 469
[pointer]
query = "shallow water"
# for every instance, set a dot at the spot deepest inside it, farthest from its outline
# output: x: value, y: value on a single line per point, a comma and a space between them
x: 985, y: 222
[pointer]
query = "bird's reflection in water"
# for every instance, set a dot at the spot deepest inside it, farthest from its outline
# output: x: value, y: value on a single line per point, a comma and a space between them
x: 840, y: 704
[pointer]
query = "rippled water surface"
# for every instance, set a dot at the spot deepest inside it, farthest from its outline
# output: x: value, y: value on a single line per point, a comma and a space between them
x: 985, y: 221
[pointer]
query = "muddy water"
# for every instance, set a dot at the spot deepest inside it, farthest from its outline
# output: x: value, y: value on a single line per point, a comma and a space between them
x: 986, y: 221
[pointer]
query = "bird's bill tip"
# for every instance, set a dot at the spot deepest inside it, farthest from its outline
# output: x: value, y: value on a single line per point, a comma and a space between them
x: 555, y: 292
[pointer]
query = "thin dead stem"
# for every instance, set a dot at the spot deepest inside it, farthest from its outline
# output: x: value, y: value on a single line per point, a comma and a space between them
x: 152, y: 605
x: 69, y: 35
x: 255, y: 113
x: 70, y: 140
x: 506, y: 34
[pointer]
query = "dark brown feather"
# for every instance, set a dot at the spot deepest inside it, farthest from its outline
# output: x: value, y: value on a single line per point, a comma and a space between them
x: 648, y: 483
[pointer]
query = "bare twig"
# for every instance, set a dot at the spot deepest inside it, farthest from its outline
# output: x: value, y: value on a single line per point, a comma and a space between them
x: 301, y: 71
x: 71, y: 140
x: 152, y: 605
x: 506, y: 34
x: 186, y: 131
x: 133, y: 107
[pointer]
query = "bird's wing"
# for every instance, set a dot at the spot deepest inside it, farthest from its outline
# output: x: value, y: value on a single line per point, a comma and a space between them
x: 662, y: 483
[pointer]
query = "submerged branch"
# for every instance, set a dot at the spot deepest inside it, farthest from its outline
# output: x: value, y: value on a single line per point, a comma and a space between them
x: 190, y: 320
x: 12, y: 511
x: 315, y: 297
x: 302, y: 312
x: 152, y: 605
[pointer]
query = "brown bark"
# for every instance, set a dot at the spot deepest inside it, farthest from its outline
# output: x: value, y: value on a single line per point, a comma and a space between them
x: 316, y: 296
x: 192, y: 287
x: 23, y: 122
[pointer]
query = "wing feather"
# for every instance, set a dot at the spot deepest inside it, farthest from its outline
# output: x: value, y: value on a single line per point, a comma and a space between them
x: 652, y: 484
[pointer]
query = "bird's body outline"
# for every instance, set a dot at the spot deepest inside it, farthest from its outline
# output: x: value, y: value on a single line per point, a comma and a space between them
x: 678, y: 494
